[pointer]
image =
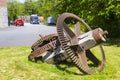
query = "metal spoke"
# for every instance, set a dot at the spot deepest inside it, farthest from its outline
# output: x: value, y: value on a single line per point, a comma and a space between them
x: 70, y: 34
x: 77, y: 30
x: 91, y: 57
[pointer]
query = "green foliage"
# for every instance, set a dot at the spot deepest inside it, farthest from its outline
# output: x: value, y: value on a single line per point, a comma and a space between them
x: 47, y: 8
x: 31, y: 7
x: 97, y: 13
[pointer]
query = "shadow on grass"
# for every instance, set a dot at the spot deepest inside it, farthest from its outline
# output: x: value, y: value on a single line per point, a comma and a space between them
x: 67, y: 66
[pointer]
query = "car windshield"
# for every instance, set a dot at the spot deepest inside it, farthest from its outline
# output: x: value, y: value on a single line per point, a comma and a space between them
x: 35, y: 17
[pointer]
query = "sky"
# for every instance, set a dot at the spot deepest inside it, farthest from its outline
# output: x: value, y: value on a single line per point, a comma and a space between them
x: 18, y: 0
x: 21, y: 0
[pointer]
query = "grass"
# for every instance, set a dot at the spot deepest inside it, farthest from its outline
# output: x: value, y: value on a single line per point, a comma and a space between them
x: 14, y: 65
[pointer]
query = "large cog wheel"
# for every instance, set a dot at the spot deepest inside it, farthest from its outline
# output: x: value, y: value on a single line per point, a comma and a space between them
x: 76, y: 52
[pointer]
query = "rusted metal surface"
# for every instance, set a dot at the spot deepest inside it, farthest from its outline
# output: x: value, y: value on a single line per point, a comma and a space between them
x: 71, y: 44
x: 80, y: 60
x: 42, y: 45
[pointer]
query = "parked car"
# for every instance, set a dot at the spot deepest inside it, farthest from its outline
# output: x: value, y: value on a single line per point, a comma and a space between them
x: 34, y: 19
x: 18, y: 22
x: 51, y: 21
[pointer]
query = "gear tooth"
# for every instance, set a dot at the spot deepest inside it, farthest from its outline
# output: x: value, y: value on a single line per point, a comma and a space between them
x: 70, y: 53
x: 68, y: 50
x: 76, y: 61
x: 64, y: 44
x: 74, y: 58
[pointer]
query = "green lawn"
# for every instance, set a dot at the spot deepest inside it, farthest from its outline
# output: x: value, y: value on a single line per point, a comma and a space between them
x: 14, y: 65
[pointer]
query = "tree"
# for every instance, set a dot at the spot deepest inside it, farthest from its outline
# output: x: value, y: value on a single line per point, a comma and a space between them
x: 15, y: 9
x: 47, y: 7
x: 97, y: 13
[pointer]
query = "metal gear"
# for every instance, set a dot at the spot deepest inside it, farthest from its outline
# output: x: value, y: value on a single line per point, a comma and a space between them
x: 67, y: 43
x: 80, y: 60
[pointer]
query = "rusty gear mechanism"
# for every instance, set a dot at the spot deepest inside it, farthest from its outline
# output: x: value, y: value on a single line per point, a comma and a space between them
x: 71, y: 42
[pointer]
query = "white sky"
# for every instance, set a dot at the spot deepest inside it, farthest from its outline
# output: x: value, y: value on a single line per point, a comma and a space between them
x: 18, y: 0
x: 21, y: 0
x: 24, y: 0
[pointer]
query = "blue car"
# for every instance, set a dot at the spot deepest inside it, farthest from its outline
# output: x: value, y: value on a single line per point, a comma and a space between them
x: 50, y: 21
x: 34, y: 19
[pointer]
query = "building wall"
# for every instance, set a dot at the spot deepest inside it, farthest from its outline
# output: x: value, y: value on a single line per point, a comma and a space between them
x: 3, y: 14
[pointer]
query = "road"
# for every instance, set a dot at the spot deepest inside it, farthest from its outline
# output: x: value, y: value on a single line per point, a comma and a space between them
x: 23, y: 35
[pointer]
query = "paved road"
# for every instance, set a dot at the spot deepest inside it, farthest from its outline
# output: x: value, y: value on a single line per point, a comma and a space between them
x: 23, y: 36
